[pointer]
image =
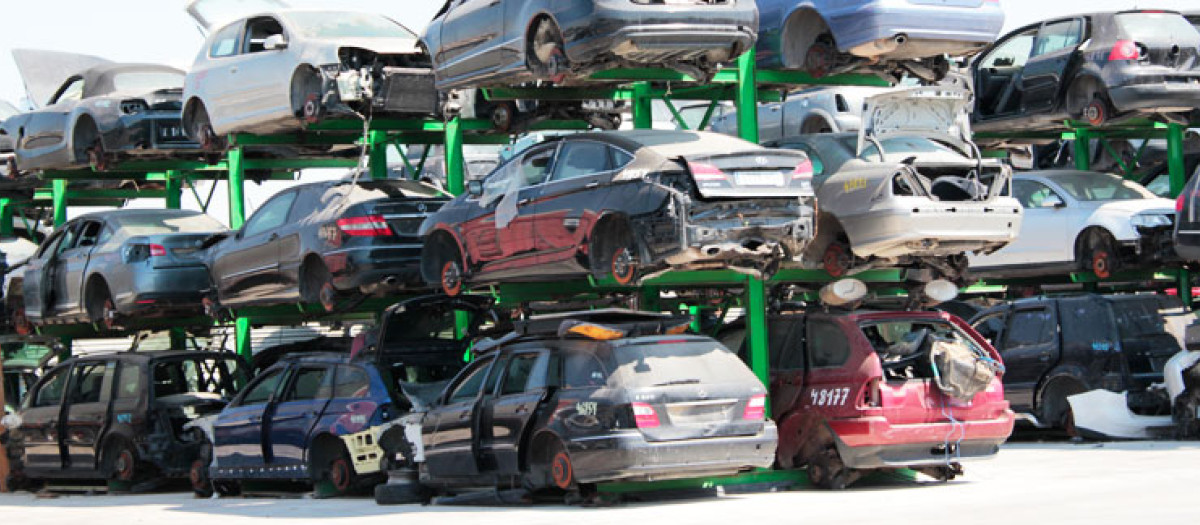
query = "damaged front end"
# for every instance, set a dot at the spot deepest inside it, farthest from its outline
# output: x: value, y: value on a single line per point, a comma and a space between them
x: 367, y: 83
x: 173, y: 446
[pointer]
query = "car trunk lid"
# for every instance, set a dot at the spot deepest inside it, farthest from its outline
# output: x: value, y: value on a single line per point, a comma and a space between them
x: 751, y: 174
x: 405, y: 216
x: 932, y: 112
x: 166, y: 251
x: 692, y: 411
x: 1160, y: 38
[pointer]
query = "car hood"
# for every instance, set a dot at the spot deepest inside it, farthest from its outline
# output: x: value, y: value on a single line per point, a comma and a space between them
x: 1134, y: 206
x: 43, y: 72
x: 933, y: 112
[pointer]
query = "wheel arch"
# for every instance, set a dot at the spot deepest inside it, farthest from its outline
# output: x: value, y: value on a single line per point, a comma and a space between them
x: 90, y: 286
x: 440, y: 237
x: 533, y: 17
x: 79, y: 119
x: 605, y: 225
x: 323, y: 446
x: 1063, y: 375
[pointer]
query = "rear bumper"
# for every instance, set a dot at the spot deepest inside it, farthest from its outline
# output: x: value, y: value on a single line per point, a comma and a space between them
x: 930, y: 30
x: 930, y: 228
x: 1176, y: 92
x: 873, y: 442
x: 163, y: 291
x: 628, y: 456
x: 732, y: 234
x: 648, y: 35
x: 375, y: 268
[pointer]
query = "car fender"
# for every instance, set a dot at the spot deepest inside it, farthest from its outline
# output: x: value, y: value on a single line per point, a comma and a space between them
x: 452, y: 231
x: 119, y: 431
x: 529, y: 14
x: 102, y: 125
x: 1064, y: 371
x: 1115, y: 222
x: 794, y: 429
x: 794, y: 120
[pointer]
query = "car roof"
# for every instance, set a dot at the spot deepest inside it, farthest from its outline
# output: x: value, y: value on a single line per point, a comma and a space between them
x: 152, y: 356
x: 98, y: 80
x: 325, y: 357
x: 672, y: 143
x: 130, y: 213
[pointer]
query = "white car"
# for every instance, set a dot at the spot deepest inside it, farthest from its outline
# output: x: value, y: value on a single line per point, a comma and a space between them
x: 1082, y: 220
x: 276, y: 71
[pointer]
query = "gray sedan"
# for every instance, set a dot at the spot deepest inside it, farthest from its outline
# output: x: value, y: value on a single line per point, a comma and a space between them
x: 504, y: 42
x: 110, y: 267
x: 279, y: 71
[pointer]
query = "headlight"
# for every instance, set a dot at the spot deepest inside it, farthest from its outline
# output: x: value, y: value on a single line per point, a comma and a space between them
x: 1150, y: 221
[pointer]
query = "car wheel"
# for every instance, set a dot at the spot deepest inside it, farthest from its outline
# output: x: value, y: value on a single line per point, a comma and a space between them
x: 306, y: 95
x: 544, y: 52
x: 317, y: 286
x: 198, y: 476
x: 403, y: 493
x: 827, y: 471
x: 1099, y: 254
x: 1055, y: 408
x: 121, y: 461
x: 504, y: 114
x: 614, y: 253
x: 821, y: 56
x: 1086, y: 101
x: 98, y: 159
x: 202, y: 131
x: 800, y: 33
x: 837, y: 259
x: 552, y: 469
x: 452, y: 278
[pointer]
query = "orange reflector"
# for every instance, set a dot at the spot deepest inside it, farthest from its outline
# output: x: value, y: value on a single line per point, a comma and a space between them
x: 676, y: 330
x: 595, y: 331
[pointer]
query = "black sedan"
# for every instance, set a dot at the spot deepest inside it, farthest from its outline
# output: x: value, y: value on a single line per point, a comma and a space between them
x: 97, y: 115
x: 314, y: 243
x: 569, y: 400
x: 623, y: 204
x: 1094, y: 68
x: 115, y: 268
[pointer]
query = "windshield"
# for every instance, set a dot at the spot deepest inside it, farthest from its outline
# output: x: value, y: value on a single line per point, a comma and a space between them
x: 198, y: 223
x: 1158, y: 27
x: 147, y: 81
x: 1086, y: 186
x: 664, y: 363
x: 222, y: 377
x: 335, y: 24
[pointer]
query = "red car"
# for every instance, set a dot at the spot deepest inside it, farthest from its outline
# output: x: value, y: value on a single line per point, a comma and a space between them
x: 853, y: 392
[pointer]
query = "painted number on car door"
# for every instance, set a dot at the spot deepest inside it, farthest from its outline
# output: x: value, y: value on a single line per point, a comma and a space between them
x: 830, y: 396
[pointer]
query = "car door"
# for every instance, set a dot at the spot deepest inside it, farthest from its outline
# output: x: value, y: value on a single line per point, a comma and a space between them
x: 998, y: 75
x: 1043, y: 76
x: 292, y: 235
x: 449, y: 429
x: 1030, y: 350
x: 74, y: 261
x: 247, y: 266
x: 86, y: 412
x: 786, y: 352
x: 290, y: 420
x: 570, y: 203
x: 55, y: 291
x: 238, y: 431
x: 1045, y: 236
x: 503, y: 227
x: 36, y: 273
x: 40, y: 422
x: 472, y: 34
x: 263, y: 76
x: 212, y: 78
x: 513, y: 403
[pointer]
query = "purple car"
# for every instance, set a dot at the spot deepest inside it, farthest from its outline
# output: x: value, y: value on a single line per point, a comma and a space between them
x: 888, y: 37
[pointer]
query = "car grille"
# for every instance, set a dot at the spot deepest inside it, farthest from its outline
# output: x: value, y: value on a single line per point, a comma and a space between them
x: 700, y: 412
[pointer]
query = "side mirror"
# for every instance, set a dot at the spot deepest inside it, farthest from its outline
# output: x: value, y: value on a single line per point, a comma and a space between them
x: 475, y: 188
x: 1053, y: 201
x: 275, y: 43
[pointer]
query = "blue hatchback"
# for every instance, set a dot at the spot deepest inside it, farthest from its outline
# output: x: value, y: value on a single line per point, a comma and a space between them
x: 889, y: 37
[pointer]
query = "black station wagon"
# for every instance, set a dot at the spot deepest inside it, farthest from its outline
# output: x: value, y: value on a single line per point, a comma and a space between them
x: 568, y: 400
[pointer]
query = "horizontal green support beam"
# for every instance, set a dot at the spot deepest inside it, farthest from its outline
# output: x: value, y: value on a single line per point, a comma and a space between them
x: 706, y: 92
x: 397, y: 125
x: 779, y: 76
x: 639, y: 75
x: 299, y: 164
x: 786, y: 477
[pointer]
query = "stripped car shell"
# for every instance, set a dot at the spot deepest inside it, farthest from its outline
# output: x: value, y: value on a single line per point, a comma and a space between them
x: 913, y: 192
x: 285, y: 69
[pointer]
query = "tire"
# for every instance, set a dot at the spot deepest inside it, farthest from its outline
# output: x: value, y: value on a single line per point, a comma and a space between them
x: 614, y: 254
x: 552, y: 469
x: 405, y: 493
x: 337, y: 472
x: 120, y: 461
x: 1097, y: 253
x: 1054, y: 408
x: 101, y: 309
x: 317, y: 285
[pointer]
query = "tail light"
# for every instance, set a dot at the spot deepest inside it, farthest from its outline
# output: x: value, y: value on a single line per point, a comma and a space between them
x: 1124, y: 50
x: 756, y: 408
x: 871, y: 396
x: 1179, y: 203
x: 702, y: 171
x: 804, y: 170
x: 157, y: 250
x: 367, y: 226
x: 134, y: 106
x: 644, y: 415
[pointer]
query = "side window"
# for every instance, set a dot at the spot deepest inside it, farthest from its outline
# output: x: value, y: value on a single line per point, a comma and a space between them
x: 827, y: 345
x: 225, y: 43
x: 620, y: 158
x: 584, y: 370
x: 308, y: 200
x: 261, y: 390
x: 89, y: 233
x: 50, y: 245
x: 535, y: 166
x: 1058, y: 36
x: 129, y: 382
x: 526, y: 170
x: 309, y: 383
x: 351, y: 382
x: 1013, y: 53
x: 106, y: 235
x: 468, y: 388
x: 519, y: 371
x: 72, y: 92
x: 580, y: 159
x: 89, y: 378
x: 1033, y: 194
x: 257, y: 32
x: 271, y: 215
x: 69, y: 237
x: 51, y: 392
x: 1030, y: 327
x: 991, y: 327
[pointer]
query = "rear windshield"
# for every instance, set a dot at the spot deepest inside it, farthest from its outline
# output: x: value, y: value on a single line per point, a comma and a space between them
x: 219, y: 377
x: 898, y: 148
x: 1158, y: 27
x: 397, y: 189
x: 149, y: 225
x: 684, y: 363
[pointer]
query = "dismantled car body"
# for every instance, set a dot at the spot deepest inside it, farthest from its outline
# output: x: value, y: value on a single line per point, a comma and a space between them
x: 858, y: 391
x: 1055, y: 348
x: 1094, y: 68
x: 1081, y: 221
x: 121, y: 417
x: 476, y: 43
x: 92, y: 112
x: 889, y: 37
x: 314, y: 243
x: 335, y: 417
x: 119, y: 267
x: 569, y: 400
x: 623, y: 204
x: 279, y: 71
x: 808, y: 111
x: 910, y: 189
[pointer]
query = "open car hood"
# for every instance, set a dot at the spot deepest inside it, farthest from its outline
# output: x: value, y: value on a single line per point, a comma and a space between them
x: 214, y: 13
x: 45, y: 71
x: 933, y: 112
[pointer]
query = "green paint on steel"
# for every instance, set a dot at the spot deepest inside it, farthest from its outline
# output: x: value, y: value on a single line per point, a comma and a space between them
x: 708, y: 114
x: 60, y: 202
x: 787, y: 477
x: 455, y: 164
x: 640, y: 75
x: 800, y: 78
x: 1177, y: 169
x: 377, y: 161
x: 174, y: 190
x: 6, y: 219
x: 643, y: 109
x: 675, y: 114
x: 747, y: 99
x: 242, y: 341
x: 756, y: 328
x: 237, y: 183
x: 1083, y: 154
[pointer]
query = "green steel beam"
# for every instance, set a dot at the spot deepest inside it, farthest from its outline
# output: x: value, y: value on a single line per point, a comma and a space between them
x: 756, y: 331
x: 377, y: 161
x: 704, y: 92
x: 708, y: 113
x: 747, y: 100
x: 60, y: 202
x: 174, y: 190
x: 800, y: 78
x: 6, y: 219
x: 1178, y: 178
x: 675, y: 114
x: 455, y: 163
x: 643, y: 75
x: 643, y: 110
x: 237, y: 217
x: 1083, y: 154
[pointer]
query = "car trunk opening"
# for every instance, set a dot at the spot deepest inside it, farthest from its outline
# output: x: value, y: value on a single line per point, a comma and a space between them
x: 688, y: 389
x: 420, y: 345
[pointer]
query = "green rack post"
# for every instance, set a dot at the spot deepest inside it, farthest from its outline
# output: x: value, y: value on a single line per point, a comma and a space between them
x: 642, y: 106
x: 6, y: 219
x: 59, y: 187
x: 235, y: 158
x: 756, y: 329
x: 1178, y: 178
x: 174, y: 187
x: 1083, y: 150
x: 455, y: 163
x: 378, y: 154
x: 747, y: 97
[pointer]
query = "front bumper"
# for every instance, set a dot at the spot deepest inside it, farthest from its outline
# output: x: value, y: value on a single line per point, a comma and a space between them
x: 649, y: 35
x: 931, y: 229
x: 873, y: 442
x: 149, y: 132
x: 376, y: 268
x: 1153, y: 245
x: 628, y: 456
x: 1174, y: 91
